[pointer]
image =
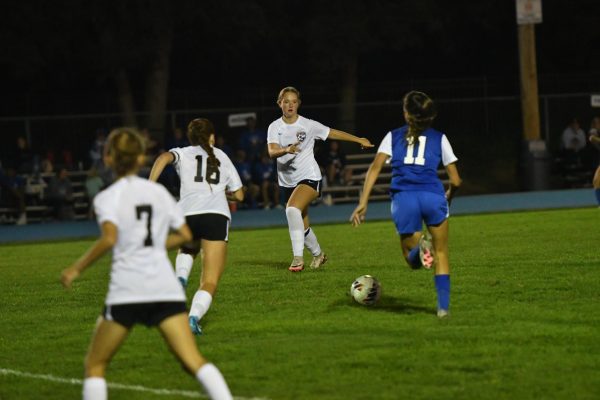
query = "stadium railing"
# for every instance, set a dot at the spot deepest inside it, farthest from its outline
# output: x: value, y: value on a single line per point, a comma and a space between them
x: 36, y: 207
x: 359, y: 163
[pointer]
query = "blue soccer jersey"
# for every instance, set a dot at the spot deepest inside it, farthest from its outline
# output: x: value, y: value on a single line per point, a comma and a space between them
x: 414, y: 166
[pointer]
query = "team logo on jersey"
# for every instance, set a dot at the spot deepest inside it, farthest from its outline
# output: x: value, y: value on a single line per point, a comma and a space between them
x: 301, y: 136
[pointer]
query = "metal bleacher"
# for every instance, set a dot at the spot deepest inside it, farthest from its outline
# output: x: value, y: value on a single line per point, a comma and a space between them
x: 359, y: 163
x: 36, y: 206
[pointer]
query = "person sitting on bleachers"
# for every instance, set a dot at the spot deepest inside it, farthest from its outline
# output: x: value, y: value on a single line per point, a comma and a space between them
x: 265, y: 173
x: 12, y: 193
x: 572, y: 145
x: 60, y: 195
x: 93, y: 184
x: 244, y: 169
x: 334, y: 162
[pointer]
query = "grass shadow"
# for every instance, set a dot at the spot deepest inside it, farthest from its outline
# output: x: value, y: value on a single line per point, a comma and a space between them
x: 263, y: 263
x: 396, y: 305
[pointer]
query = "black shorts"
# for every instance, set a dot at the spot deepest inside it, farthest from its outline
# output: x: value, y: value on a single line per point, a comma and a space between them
x: 309, y: 182
x: 208, y: 226
x: 149, y: 314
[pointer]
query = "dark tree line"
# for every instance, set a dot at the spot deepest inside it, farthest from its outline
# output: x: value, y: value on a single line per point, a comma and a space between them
x: 140, y: 49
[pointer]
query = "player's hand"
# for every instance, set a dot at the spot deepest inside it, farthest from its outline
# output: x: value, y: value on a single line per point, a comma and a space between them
x: 358, y: 216
x: 68, y: 276
x: 449, y: 197
x: 293, y: 148
x: 365, y: 143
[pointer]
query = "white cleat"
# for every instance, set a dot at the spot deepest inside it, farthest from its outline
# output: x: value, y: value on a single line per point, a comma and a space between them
x: 297, y: 264
x: 319, y: 260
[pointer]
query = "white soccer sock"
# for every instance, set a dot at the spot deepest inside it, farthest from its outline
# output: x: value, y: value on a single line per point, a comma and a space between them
x: 213, y: 382
x: 183, y: 265
x: 296, y: 226
x: 200, y: 303
x: 94, y: 388
x: 311, y: 242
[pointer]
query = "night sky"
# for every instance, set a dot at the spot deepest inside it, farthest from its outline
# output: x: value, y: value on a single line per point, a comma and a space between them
x: 68, y: 48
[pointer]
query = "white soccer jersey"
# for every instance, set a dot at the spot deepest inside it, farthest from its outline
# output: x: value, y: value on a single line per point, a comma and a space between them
x: 143, y: 212
x: 293, y: 168
x: 202, y: 190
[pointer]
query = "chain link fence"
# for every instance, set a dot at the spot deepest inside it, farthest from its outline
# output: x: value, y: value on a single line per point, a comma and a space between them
x: 485, y: 131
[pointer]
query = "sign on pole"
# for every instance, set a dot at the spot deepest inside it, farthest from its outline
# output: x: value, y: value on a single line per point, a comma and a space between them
x: 595, y: 100
x: 236, y: 120
x: 529, y: 12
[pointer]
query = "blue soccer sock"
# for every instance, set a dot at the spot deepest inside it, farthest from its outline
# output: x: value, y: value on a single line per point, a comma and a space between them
x: 413, y: 258
x: 442, y: 286
x: 598, y: 196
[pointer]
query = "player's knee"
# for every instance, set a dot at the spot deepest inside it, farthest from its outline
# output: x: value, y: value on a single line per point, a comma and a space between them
x: 192, y: 249
x: 293, y: 212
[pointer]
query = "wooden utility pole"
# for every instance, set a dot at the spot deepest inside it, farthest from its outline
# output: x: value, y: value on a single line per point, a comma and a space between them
x: 535, y: 159
x: 529, y: 84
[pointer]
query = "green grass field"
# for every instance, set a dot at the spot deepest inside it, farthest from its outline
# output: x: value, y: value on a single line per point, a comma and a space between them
x: 525, y: 320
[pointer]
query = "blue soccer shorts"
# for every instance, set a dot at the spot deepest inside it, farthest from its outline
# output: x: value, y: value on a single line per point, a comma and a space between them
x: 411, y: 208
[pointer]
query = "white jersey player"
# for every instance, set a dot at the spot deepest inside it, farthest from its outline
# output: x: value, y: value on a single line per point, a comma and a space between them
x: 135, y: 216
x: 291, y: 141
x: 206, y: 175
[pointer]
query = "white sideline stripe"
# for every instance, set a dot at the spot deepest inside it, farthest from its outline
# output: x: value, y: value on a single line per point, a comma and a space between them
x: 111, y: 385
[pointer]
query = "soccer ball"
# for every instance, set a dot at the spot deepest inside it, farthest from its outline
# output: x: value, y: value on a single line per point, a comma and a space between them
x: 365, y: 290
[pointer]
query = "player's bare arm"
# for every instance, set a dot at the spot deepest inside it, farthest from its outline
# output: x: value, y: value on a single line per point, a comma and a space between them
x: 179, y: 237
x: 455, y: 181
x: 335, y: 134
x: 160, y: 163
x: 99, y: 248
x: 238, y: 195
x: 360, y: 211
x: 276, y: 151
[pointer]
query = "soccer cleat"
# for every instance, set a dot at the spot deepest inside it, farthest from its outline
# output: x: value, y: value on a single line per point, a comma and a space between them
x: 426, y: 250
x: 441, y: 313
x: 297, y: 264
x: 183, y: 281
x: 319, y: 260
x: 195, y: 325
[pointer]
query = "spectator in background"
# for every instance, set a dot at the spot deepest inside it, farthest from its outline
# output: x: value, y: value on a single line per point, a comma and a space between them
x: 24, y: 158
x: 13, y: 193
x: 265, y: 173
x: 151, y: 144
x: 177, y: 139
x: 594, y: 137
x: 97, y: 150
x: 334, y: 162
x: 60, y: 195
x: 220, y: 143
x: 67, y: 159
x: 47, y: 166
x: 253, y: 140
x: 573, y: 143
x: 244, y: 169
x: 93, y: 184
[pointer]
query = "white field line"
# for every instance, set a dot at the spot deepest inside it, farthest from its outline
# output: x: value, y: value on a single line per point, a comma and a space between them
x: 118, y: 386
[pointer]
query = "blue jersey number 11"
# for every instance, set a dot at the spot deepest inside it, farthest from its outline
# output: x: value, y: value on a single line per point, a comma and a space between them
x: 410, y: 152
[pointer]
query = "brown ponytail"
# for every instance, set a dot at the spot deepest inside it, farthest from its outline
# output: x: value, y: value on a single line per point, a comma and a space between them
x: 199, y: 131
x: 419, y: 112
x: 125, y: 145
